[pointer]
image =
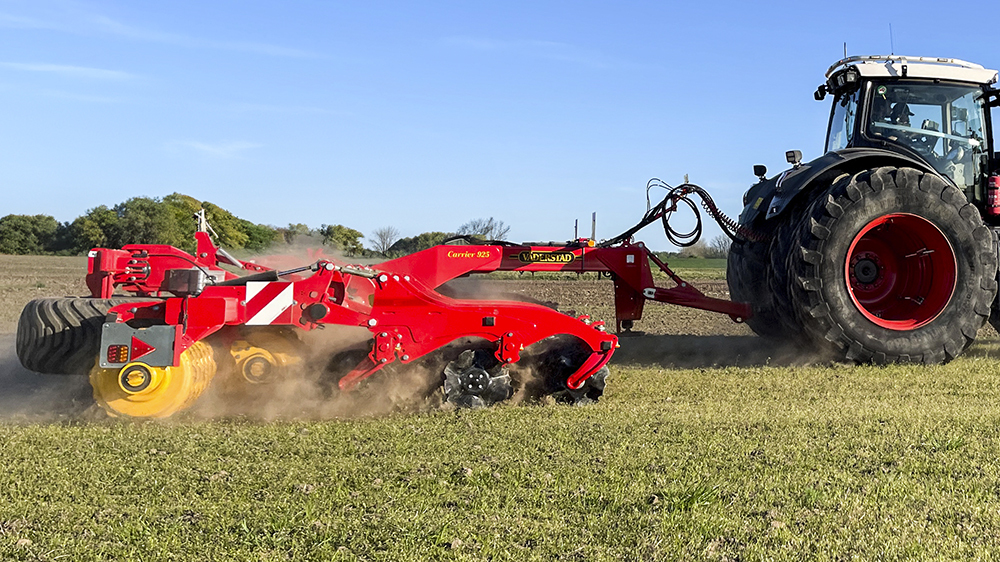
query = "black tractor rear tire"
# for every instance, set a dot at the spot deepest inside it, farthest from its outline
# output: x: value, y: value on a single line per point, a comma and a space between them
x: 779, y: 277
x: 748, y: 274
x: 61, y: 336
x: 894, y: 265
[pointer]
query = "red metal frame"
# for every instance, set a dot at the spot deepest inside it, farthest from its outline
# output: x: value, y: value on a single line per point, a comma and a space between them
x: 396, y: 300
x: 628, y: 264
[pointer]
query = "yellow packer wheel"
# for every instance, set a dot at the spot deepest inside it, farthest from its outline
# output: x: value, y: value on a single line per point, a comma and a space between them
x: 140, y: 391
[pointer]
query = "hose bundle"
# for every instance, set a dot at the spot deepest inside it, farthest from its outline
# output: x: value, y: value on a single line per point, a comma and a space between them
x: 665, y: 209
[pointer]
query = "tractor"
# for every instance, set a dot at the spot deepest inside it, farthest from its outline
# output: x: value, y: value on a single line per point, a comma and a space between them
x: 884, y: 248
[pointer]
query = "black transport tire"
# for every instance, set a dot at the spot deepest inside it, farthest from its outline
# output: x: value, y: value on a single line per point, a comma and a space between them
x: 894, y: 265
x: 61, y: 336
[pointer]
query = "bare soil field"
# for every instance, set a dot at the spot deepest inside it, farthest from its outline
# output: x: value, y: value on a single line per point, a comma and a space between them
x: 23, y: 278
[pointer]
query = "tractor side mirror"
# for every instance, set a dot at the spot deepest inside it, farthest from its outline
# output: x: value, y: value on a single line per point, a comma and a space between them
x: 820, y: 93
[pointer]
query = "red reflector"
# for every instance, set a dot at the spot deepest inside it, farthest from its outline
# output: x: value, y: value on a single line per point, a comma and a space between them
x: 117, y: 354
x: 993, y: 196
x: 140, y: 348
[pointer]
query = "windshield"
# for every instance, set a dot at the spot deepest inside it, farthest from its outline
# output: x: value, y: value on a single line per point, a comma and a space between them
x: 942, y: 123
x: 845, y: 109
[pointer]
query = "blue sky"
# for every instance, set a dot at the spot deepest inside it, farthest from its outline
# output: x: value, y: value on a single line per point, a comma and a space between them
x: 424, y: 115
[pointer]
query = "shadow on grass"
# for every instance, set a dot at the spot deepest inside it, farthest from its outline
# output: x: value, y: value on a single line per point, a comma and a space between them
x: 28, y: 395
x: 692, y: 352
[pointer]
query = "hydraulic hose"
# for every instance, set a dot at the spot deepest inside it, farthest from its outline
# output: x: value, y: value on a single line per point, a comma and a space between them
x: 665, y: 209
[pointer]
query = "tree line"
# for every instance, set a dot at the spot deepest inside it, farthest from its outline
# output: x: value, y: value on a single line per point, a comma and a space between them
x: 146, y: 220
x: 170, y: 220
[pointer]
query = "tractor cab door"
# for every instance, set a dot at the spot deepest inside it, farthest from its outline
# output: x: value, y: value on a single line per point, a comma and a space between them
x: 946, y: 125
x: 843, y: 121
x: 993, y: 115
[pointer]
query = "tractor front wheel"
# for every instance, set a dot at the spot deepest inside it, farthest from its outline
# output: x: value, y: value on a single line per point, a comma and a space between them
x: 894, y: 265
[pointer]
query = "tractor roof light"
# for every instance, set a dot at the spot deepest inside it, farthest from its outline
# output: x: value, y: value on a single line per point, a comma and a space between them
x: 844, y: 81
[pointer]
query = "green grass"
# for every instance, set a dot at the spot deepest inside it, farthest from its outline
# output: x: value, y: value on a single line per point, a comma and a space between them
x: 759, y: 463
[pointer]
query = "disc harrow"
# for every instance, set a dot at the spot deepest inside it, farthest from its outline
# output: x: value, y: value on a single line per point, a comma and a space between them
x: 190, y: 322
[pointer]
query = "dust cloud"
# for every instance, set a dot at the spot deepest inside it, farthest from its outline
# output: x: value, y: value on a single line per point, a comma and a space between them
x: 309, y: 389
x: 28, y: 396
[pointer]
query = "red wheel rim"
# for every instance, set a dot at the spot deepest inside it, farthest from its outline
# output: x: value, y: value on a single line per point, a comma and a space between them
x: 901, y: 271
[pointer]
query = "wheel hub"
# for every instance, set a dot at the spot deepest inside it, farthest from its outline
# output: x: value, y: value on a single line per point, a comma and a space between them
x: 866, y: 270
x: 257, y: 369
x: 901, y: 271
x: 134, y: 378
x: 474, y: 381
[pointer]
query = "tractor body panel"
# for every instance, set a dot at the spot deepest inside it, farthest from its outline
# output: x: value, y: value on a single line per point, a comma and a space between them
x: 770, y: 198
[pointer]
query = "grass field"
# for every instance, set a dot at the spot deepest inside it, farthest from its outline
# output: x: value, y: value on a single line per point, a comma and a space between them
x: 709, y: 445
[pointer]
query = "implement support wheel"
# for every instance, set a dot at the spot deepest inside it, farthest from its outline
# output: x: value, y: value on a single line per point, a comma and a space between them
x: 141, y: 391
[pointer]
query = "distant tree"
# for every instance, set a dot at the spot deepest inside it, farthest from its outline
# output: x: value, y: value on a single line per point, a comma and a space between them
x: 183, y: 208
x: 405, y: 246
x: 92, y: 230
x: 28, y: 234
x: 233, y: 232
x: 226, y: 226
x: 697, y: 250
x: 383, y: 238
x: 259, y: 236
x: 487, y: 229
x: 293, y: 231
x: 718, y: 247
x: 347, y: 240
x: 143, y: 220
x: 139, y: 220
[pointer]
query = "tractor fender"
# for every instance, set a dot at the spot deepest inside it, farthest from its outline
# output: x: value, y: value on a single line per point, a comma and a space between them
x: 769, y: 198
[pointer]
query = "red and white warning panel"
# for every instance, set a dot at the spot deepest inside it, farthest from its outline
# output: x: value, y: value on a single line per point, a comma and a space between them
x: 268, y: 303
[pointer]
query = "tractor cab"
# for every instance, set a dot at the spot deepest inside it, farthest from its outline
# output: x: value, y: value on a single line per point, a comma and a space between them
x: 932, y: 110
